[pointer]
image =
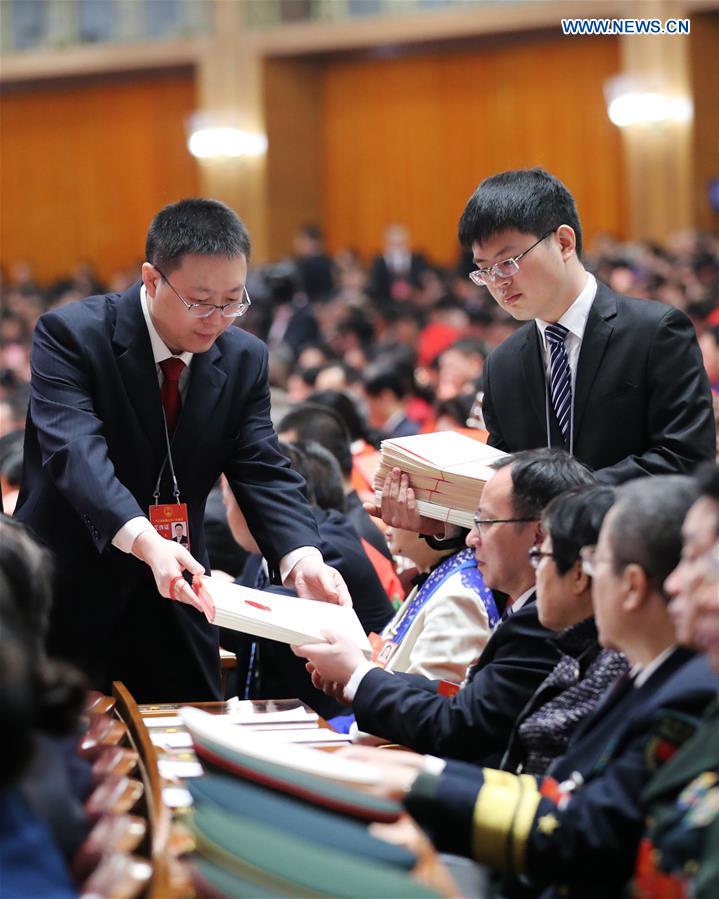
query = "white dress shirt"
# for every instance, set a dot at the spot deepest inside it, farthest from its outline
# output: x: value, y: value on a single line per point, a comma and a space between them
x: 575, y: 321
x: 131, y: 530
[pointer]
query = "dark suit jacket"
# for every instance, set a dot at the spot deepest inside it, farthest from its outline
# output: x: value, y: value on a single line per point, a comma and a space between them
x: 475, y: 724
x: 277, y: 672
x: 587, y: 844
x: 94, y: 447
x: 382, y: 277
x: 642, y: 402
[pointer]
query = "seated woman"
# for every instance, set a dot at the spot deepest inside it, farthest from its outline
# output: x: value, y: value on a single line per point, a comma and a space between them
x: 42, y: 781
x: 445, y: 621
x: 564, y: 602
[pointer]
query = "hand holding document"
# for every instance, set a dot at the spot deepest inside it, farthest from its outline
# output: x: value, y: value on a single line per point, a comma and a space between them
x: 288, y: 619
x: 446, y: 471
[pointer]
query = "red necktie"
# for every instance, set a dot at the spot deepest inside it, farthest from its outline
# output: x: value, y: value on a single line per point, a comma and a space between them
x: 172, y: 368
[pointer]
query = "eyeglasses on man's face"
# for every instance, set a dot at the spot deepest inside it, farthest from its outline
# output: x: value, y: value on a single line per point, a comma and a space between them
x: 536, y: 555
x: 483, y: 277
x: 205, y: 310
x: 484, y: 524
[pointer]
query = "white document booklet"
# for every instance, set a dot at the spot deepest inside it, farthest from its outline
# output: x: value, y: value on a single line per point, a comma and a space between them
x: 287, y: 619
x: 446, y: 470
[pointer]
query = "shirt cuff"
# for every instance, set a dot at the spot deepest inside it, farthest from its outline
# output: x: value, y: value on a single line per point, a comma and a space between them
x: 129, y: 532
x: 433, y: 765
x: 350, y: 689
x: 288, y: 562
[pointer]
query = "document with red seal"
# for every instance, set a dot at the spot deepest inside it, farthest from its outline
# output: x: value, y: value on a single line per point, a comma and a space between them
x: 287, y: 619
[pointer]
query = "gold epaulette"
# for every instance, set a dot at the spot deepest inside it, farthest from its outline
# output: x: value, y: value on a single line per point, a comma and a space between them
x: 502, y: 820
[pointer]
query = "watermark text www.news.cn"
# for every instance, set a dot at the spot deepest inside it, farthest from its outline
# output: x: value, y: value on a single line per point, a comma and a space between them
x: 625, y: 26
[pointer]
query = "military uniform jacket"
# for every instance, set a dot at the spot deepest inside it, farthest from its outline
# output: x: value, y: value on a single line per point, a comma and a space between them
x: 680, y: 851
x: 580, y: 842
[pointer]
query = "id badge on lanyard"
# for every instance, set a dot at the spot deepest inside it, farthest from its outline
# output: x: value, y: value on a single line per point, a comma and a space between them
x: 170, y: 519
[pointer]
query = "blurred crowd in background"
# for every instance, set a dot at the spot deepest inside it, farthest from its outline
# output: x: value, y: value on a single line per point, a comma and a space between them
x: 404, y: 339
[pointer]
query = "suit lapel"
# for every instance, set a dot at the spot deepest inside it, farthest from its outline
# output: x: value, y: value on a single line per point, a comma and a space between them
x: 594, y: 345
x: 207, y: 381
x: 534, y: 375
x: 137, y: 367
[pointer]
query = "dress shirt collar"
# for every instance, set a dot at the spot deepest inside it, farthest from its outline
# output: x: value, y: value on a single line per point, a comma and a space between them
x: 641, y: 674
x: 160, y: 350
x: 522, y: 599
x: 575, y: 318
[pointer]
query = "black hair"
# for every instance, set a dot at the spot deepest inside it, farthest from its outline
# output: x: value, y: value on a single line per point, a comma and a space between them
x: 528, y: 200
x: 343, y: 404
x: 198, y: 226
x: 298, y: 462
x: 457, y: 408
x: 389, y: 376
x: 646, y: 525
x: 57, y: 689
x: 573, y: 520
x: 469, y: 346
x: 312, y: 421
x: 539, y: 475
x: 707, y: 478
x: 325, y: 476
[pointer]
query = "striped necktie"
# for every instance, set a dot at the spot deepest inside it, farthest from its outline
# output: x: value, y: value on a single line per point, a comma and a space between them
x: 560, y: 377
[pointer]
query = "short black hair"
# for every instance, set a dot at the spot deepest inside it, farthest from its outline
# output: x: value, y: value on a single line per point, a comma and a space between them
x: 198, y: 226
x: 707, y: 478
x: 646, y: 525
x: 394, y: 376
x: 573, y: 520
x: 528, y: 200
x: 325, y: 476
x: 538, y: 475
x: 311, y: 421
x: 343, y: 404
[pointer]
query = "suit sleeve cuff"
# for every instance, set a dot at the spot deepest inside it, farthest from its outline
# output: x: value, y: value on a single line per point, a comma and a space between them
x: 350, y: 689
x: 288, y: 562
x: 129, y: 532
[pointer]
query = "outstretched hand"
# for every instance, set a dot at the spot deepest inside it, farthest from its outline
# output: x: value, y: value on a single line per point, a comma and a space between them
x: 168, y: 561
x: 313, y: 579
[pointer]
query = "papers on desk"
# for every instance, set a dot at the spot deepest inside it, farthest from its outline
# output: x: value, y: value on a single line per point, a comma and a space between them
x: 210, y: 735
x: 256, y: 713
x: 447, y: 472
x: 287, y: 619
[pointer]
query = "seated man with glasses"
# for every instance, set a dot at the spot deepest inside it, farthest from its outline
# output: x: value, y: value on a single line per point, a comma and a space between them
x: 575, y: 831
x: 475, y: 722
x: 139, y: 401
x: 617, y: 381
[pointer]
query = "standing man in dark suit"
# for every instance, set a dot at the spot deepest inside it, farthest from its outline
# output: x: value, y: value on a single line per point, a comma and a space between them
x: 474, y: 723
x: 139, y: 401
x: 617, y: 381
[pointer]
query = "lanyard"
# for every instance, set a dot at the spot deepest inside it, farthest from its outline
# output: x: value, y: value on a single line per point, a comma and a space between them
x: 168, y: 458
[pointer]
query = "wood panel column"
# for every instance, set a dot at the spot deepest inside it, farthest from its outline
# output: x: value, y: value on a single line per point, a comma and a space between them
x: 658, y: 158
x: 230, y: 85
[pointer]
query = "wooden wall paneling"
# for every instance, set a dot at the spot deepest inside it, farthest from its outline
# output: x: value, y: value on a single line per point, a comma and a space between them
x: 83, y: 167
x: 705, y: 88
x: 408, y: 139
x: 294, y: 156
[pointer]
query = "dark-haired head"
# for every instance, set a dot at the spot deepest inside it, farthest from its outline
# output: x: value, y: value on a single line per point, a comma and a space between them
x: 527, y: 200
x: 53, y: 692
x: 343, y: 404
x: 312, y: 421
x: 573, y: 520
x: 198, y: 227
x: 539, y: 475
x: 325, y: 476
x: 645, y: 527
